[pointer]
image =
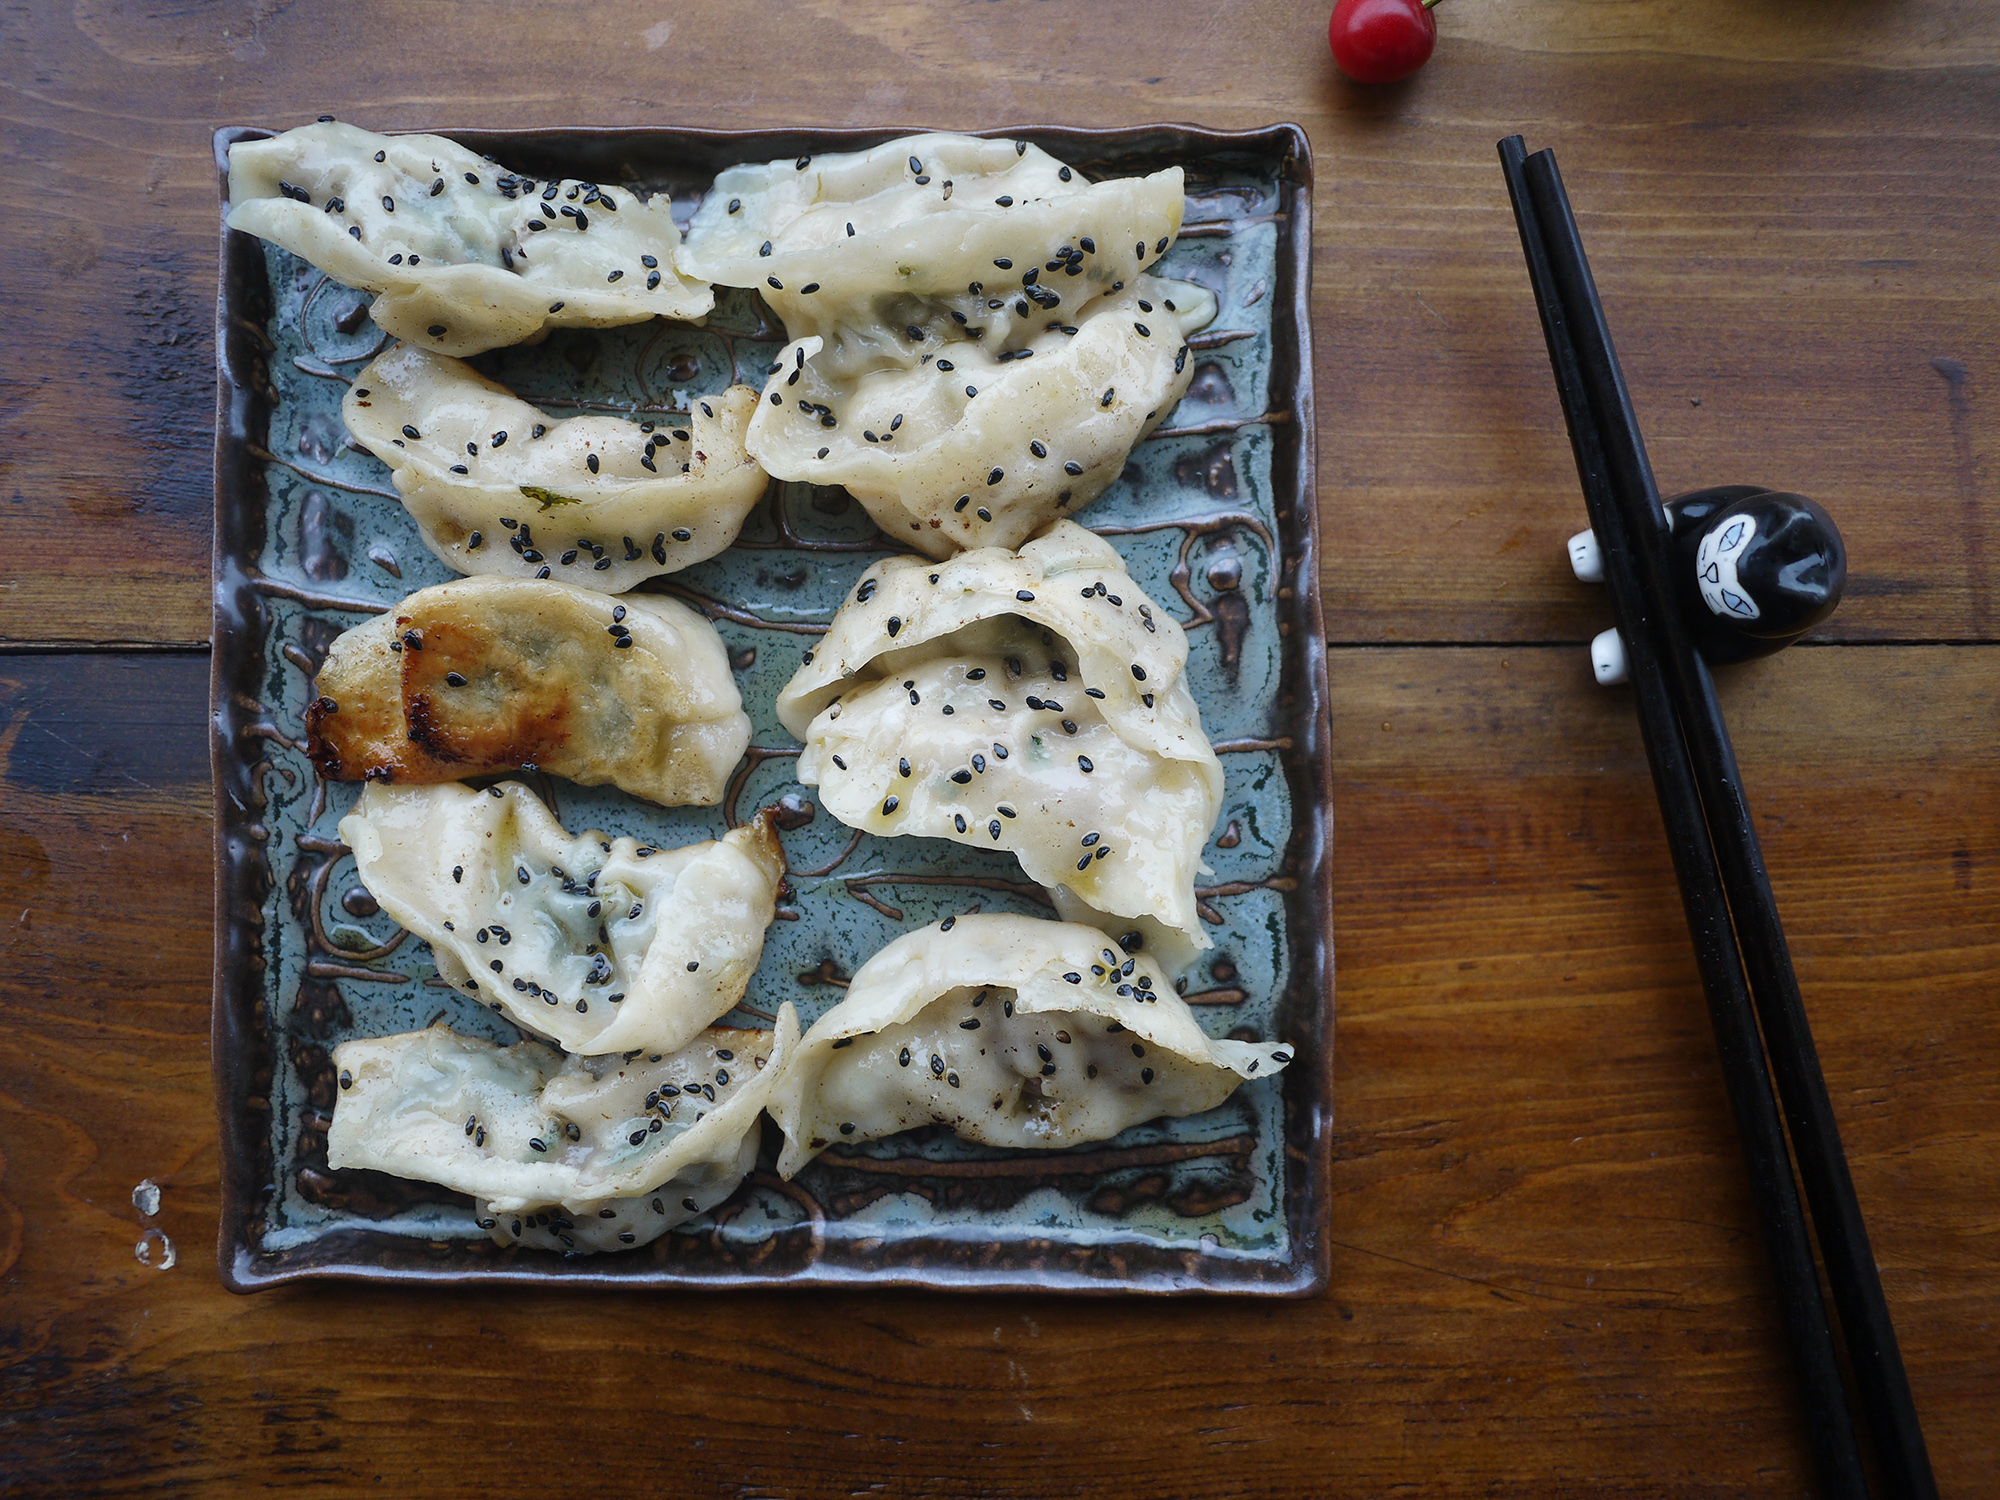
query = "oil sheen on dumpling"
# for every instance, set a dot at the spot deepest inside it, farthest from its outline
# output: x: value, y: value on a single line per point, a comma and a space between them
x: 484, y: 675
x: 1009, y: 1031
x: 600, y: 502
x: 601, y: 945
x: 462, y: 254
x: 966, y: 443
x: 569, y: 1154
x: 1030, y: 701
x: 860, y: 245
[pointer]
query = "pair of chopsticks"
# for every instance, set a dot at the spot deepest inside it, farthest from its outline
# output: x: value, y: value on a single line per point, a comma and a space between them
x: 1724, y: 888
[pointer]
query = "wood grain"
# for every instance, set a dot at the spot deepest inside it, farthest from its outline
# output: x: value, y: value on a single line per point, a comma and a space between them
x: 1546, y: 1277
x: 1546, y: 1280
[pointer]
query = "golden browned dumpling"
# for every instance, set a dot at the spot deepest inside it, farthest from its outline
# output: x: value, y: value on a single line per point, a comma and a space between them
x: 493, y: 674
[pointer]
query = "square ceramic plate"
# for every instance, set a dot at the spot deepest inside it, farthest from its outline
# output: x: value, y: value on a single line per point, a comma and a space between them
x: 1215, y: 517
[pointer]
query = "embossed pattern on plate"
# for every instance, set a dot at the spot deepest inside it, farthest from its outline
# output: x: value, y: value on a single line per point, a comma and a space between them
x: 1215, y: 517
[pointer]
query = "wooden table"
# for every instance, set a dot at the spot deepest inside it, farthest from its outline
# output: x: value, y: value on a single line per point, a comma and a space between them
x: 1546, y: 1275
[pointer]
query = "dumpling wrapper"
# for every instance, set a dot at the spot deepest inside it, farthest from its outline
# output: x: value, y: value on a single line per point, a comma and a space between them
x: 562, y: 1153
x: 1171, y: 950
x: 606, y: 945
x: 544, y: 684
x: 930, y: 215
x: 462, y: 254
x: 1092, y: 770
x: 1073, y: 1042
x: 969, y: 445
x: 484, y: 457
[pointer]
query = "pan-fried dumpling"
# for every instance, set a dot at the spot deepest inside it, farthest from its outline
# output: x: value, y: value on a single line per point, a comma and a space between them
x: 463, y: 254
x: 968, y: 444
x: 928, y: 228
x: 600, y: 502
x: 1010, y: 1031
x: 601, y: 945
x: 577, y: 1153
x: 493, y: 674
x: 1030, y: 701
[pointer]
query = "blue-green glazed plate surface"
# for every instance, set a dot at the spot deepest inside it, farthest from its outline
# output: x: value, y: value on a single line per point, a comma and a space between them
x: 1214, y: 515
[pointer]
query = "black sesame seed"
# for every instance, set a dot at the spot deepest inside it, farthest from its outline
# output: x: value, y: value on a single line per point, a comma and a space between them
x: 888, y: 806
x: 1083, y: 763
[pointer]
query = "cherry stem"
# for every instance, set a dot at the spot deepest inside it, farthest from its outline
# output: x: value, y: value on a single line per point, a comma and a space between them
x: 1431, y: 4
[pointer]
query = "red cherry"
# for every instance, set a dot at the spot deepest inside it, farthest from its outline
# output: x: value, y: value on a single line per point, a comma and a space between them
x: 1380, y: 41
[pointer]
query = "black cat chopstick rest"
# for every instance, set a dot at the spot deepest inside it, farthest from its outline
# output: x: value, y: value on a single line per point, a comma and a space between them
x: 1754, y: 569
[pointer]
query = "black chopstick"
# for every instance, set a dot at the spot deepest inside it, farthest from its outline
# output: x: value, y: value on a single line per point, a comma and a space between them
x: 1870, y: 1337
x: 1782, y: 1220
x: 1683, y: 724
